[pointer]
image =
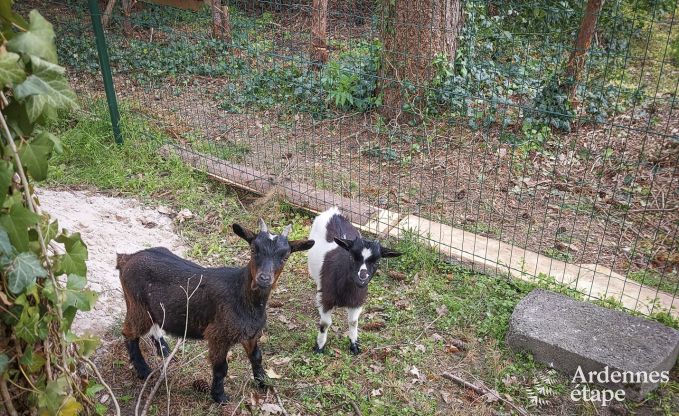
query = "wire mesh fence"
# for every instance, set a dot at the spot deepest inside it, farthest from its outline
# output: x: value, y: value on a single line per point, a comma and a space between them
x: 536, y: 139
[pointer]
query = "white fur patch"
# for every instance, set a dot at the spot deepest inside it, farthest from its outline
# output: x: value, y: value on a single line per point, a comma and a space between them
x: 352, y: 319
x: 271, y: 236
x: 316, y: 255
x: 156, y: 332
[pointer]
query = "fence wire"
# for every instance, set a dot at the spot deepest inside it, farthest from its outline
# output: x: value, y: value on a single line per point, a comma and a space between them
x: 490, y: 155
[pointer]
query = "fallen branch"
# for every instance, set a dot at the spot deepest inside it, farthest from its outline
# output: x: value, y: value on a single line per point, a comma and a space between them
x: 7, y: 399
x: 103, y: 383
x: 163, y: 375
x: 280, y: 402
x: 356, y: 409
x: 482, y: 391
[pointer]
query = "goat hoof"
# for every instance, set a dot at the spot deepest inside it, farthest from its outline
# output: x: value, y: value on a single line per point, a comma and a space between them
x: 262, y: 384
x: 353, y: 347
x: 143, y: 373
x: 220, y: 398
x: 319, y: 350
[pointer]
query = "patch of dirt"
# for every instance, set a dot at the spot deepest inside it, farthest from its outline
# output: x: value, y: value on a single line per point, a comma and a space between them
x: 108, y: 226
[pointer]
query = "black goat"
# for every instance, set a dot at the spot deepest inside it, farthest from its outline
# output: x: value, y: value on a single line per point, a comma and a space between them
x: 227, y: 306
x: 342, y: 263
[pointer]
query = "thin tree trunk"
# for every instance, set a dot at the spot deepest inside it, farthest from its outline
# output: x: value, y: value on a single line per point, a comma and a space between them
x: 107, y: 13
x: 221, y: 27
x: 319, y: 24
x: 413, y: 32
x: 578, y: 57
x: 127, y: 10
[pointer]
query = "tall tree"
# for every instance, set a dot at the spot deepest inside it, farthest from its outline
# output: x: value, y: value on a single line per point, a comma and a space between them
x: 319, y: 23
x: 578, y: 57
x: 413, y: 32
x: 221, y: 26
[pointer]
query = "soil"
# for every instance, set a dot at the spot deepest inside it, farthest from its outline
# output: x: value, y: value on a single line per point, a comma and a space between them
x: 108, y: 226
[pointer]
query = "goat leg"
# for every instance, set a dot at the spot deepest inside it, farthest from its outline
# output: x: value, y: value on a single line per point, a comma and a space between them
x: 255, y: 356
x: 219, y: 370
x: 137, y: 359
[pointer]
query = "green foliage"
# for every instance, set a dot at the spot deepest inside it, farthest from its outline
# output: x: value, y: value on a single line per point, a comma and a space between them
x: 37, y: 309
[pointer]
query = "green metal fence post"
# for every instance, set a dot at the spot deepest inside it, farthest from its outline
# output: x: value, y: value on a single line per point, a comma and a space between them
x: 105, y: 66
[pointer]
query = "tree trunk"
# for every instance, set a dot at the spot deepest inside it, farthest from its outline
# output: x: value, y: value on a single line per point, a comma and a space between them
x: 319, y: 23
x: 107, y: 12
x: 578, y: 57
x: 221, y: 27
x: 413, y: 32
x: 127, y: 9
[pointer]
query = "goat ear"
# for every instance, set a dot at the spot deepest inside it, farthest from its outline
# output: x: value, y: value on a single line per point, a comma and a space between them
x: 344, y: 243
x: 243, y: 233
x: 387, y: 252
x: 300, y: 245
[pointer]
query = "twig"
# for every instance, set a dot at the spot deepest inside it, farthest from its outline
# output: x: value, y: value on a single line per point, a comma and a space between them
x: 356, y: 409
x: 188, y: 298
x: 163, y: 375
x: 482, y: 391
x: 634, y: 211
x: 103, y: 383
x: 280, y: 402
x: 7, y: 399
x: 143, y: 387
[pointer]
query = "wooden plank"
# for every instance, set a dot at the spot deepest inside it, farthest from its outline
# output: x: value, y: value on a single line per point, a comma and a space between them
x: 180, y: 4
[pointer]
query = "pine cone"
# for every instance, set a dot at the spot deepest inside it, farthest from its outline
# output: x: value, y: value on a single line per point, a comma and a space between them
x: 201, y: 385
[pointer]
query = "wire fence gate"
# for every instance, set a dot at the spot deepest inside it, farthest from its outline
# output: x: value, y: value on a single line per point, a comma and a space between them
x: 530, y: 139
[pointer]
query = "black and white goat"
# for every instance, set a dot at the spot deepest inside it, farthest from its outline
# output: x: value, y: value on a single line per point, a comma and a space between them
x: 227, y: 304
x: 342, y: 263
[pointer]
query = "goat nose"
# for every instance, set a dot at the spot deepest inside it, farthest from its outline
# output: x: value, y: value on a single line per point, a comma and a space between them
x: 264, y: 277
x: 363, y: 275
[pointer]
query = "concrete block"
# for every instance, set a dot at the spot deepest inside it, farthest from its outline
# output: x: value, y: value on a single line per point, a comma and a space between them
x: 564, y: 333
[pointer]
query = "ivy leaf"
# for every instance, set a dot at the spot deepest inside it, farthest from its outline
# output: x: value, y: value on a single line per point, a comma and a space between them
x: 25, y: 269
x: 6, y: 249
x: 93, y: 389
x: 17, y: 118
x: 11, y: 73
x: 16, y: 223
x: 47, y: 88
x: 38, y: 40
x: 32, y: 360
x: 6, y: 173
x: 29, y: 327
x: 35, y: 154
x: 73, y: 261
x: 70, y: 407
x: 75, y: 282
x: 87, y: 344
x: 4, y: 363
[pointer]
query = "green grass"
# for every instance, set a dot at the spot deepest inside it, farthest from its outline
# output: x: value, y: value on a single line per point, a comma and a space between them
x: 417, y: 318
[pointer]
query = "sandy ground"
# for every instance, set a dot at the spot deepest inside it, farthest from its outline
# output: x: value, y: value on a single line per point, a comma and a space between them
x: 108, y: 226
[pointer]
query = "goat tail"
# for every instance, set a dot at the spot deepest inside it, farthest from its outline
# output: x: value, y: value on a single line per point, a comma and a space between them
x: 121, y: 260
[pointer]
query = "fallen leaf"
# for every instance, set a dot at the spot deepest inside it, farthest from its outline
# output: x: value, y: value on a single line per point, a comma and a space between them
x: 373, y: 326
x: 445, y: 396
x: 396, y: 275
x: 275, y: 303
x: 414, y: 371
x: 420, y: 347
x: 164, y: 210
x: 184, y: 215
x: 451, y: 349
x: 272, y: 374
x: 283, y: 319
x: 271, y: 408
x: 436, y: 337
x: 376, y: 392
x: 442, y: 310
x: 282, y: 361
x: 376, y: 368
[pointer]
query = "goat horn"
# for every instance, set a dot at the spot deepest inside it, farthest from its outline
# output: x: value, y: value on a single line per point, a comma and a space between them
x: 262, y: 226
x: 286, y: 230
